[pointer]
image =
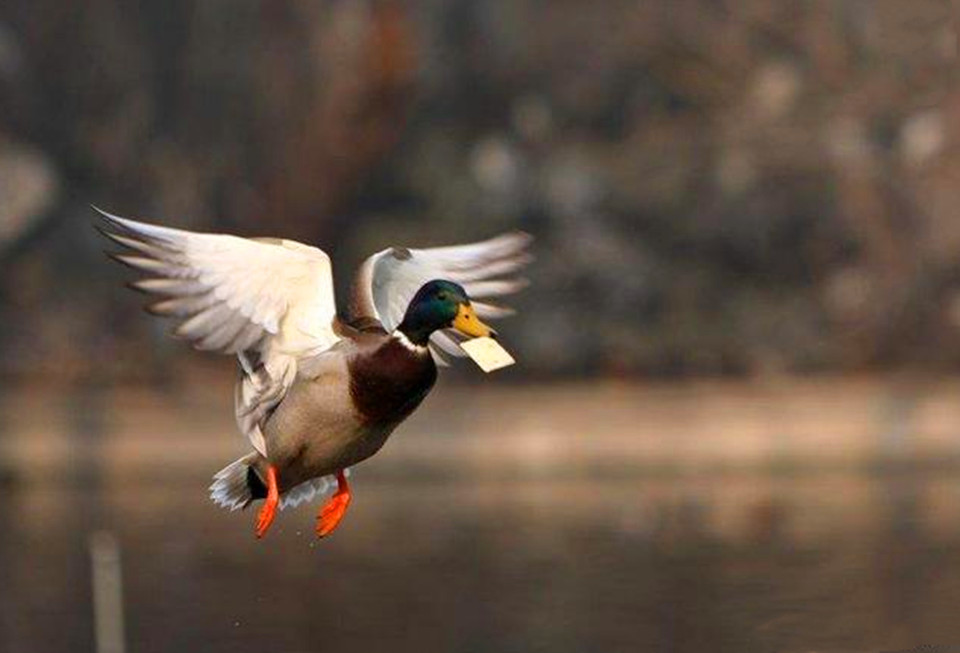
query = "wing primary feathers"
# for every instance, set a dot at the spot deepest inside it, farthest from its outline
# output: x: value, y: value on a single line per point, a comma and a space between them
x: 387, y: 280
x: 271, y: 299
x: 492, y: 311
x: 156, y: 250
x: 172, y: 287
x: 495, y: 287
x: 448, y: 344
x: 142, y: 230
x: 495, y: 269
x: 485, y: 251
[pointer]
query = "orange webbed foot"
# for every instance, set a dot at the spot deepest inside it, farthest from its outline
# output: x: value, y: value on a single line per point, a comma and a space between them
x: 269, y: 508
x: 333, y: 510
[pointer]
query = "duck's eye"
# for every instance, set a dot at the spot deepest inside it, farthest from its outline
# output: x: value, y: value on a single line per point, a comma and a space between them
x: 442, y: 296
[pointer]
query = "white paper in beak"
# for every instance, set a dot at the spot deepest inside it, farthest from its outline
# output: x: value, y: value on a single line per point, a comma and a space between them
x: 487, y: 353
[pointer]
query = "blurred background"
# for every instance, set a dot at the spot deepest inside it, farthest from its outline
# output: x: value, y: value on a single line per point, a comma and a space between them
x: 734, y: 425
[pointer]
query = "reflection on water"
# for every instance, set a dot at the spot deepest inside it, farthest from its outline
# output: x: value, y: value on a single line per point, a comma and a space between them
x: 555, y: 534
x: 721, y: 564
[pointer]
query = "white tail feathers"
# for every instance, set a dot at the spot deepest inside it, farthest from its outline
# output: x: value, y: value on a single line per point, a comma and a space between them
x: 231, y: 490
x: 308, y: 491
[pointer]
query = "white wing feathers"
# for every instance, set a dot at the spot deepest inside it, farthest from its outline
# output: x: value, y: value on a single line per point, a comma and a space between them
x: 389, y: 279
x: 269, y: 301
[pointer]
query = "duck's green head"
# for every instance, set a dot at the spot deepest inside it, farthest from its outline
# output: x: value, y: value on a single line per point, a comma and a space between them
x: 441, y: 304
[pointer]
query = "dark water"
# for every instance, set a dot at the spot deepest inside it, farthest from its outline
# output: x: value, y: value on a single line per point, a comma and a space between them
x: 831, y: 562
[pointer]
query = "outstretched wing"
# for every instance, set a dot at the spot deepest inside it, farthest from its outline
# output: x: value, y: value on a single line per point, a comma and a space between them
x: 388, y: 280
x: 268, y: 301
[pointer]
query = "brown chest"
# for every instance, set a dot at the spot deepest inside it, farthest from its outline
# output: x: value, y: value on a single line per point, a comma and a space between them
x: 389, y: 382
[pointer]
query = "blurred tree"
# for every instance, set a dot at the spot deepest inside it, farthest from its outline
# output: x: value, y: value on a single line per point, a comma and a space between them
x: 728, y: 186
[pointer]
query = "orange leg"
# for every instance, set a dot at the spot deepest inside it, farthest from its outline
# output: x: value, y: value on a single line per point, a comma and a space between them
x: 334, y: 509
x: 269, y: 508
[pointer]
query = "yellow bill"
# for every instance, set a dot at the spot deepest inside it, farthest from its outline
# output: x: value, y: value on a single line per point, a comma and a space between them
x: 469, y: 324
x: 487, y: 353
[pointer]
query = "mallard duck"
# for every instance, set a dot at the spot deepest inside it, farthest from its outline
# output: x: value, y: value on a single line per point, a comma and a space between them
x: 316, y: 394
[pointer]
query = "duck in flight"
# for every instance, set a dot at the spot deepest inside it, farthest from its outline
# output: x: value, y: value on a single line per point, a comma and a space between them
x: 316, y: 394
